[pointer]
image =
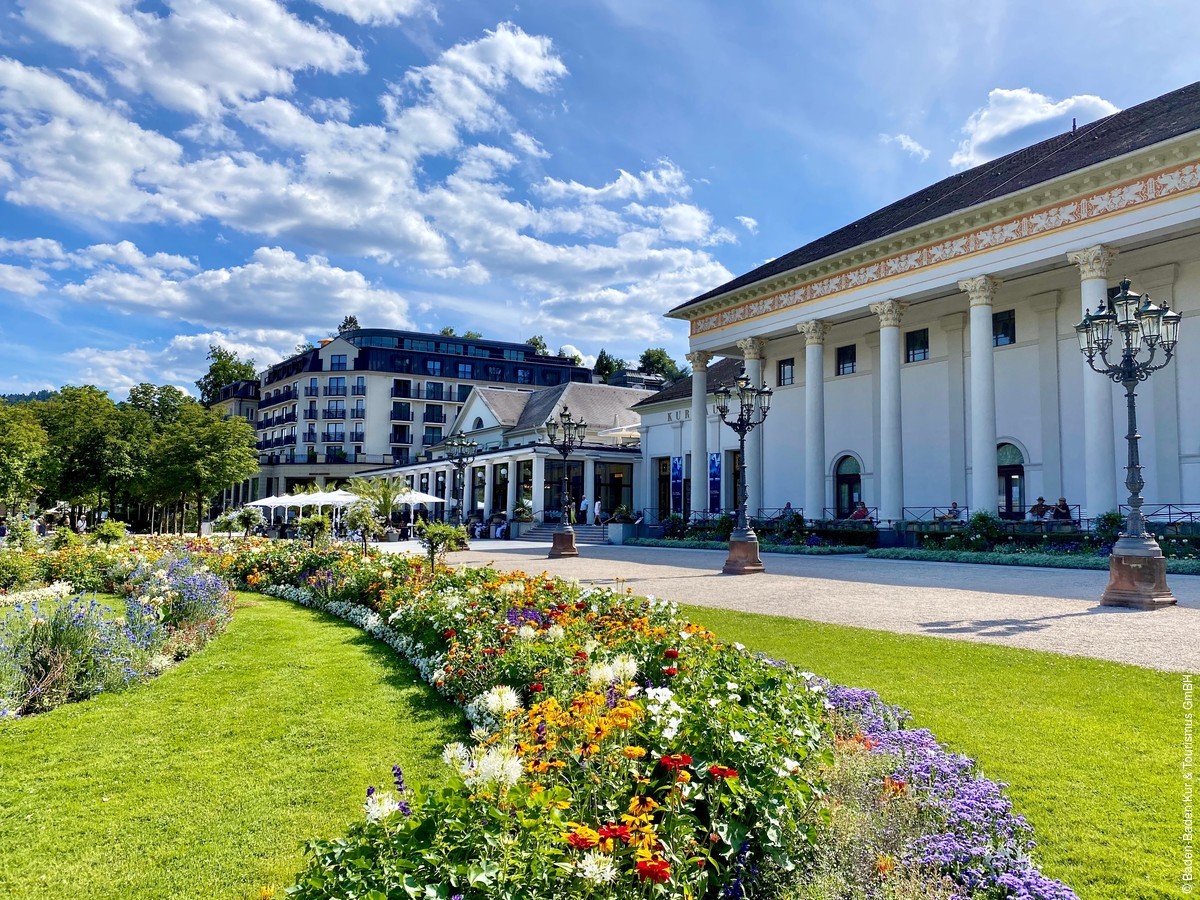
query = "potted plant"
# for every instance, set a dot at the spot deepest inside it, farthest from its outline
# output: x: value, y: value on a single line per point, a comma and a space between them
x: 621, y: 527
x: 522, y: 516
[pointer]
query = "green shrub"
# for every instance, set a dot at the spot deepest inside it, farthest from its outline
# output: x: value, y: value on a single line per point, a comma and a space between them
x: 110, y: 531
x: 314, y: 528
x: 674, y: 526
x: 21, y: 534
x: 65, y: 538
x: 16, y: 570
x: 1038, y: 560
x: 438, y: 539
x: 1107, y: 527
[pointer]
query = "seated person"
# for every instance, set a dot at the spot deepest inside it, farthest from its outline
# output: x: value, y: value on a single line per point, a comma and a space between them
x: 1038, y: 511
x: 1061, y: 511
x: 953, y: 514
x: 860, y: 512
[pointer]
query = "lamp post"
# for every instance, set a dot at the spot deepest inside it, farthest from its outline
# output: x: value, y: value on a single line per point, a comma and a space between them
x: 565, y: 435
x: 1127, y: 325
x: 752, y: 404
x: 461, y: 452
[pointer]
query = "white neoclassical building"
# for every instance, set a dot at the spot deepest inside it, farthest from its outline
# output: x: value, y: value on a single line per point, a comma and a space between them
x: 927, y: 353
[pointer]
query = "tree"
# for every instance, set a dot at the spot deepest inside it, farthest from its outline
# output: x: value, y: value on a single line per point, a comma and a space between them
x: 88, y: 450
x: 539, y: 345
x: 656, y: 361
x: 448, y: 331
x: 381, y: 494
x: 350, y: 323
x: 314, y: 528
x: 439, y: 538
x: 162, y: 403
x: 361, y: 517
x: 23, y: 444
x: 249, y: 518
x: 302, y: 347
x: 225, y: 367
x: 606, y: 365
x: 573, y: 357
x: 472, y: 335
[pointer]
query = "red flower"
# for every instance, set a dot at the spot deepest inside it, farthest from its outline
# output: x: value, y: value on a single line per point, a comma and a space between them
x: 656, y: 870
x: 579, y: 654
x: 449, y: 633
x: 611, y: 830
x: 581, y: 839
x: 722, y: 772
x: 671, y: 653
x: 676, y: 761
x: 581, y: 606
x: 670, y: 670
x: 537, y: 687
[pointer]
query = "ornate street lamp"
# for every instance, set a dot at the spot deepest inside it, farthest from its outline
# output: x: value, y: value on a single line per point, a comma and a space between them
x: 751, y: 405
x: 565, y: 435
x: 1125, y: 326
x: 461, y: 452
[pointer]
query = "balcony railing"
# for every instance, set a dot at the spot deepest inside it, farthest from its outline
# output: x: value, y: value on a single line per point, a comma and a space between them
x: 358, y: 413
x: 333, y: 437
x: 358, y: 437
x: 398, y: 416
x: 436, y: 418
x: 359, y: 390
x: 398, y: 438
x: 429, y: 440
x: 403, y: 393
x: 287, y: 418
x: 304, y: 459
x: 289, y: 440
x: 282, y: 396
x: 335, y: 391
x: 333, y: 414
x: 309, y: 437
x: 310, y: 414
x: 311, y: 392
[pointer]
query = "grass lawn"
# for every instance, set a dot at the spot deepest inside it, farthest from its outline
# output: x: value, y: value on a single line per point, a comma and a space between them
x: 205, y: 782
x: 1091, y: 750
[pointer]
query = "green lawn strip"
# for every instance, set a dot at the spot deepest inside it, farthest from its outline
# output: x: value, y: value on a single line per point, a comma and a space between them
x: 1091, y: 750
x: 206, y: 781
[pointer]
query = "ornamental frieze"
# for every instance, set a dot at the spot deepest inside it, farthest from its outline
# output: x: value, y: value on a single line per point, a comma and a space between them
x: 1157, y: 186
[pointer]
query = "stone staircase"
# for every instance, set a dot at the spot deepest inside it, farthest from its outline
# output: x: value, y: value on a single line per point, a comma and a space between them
x: 584, y: 534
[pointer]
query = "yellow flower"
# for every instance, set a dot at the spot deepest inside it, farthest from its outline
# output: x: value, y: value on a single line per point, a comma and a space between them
x: 634, y: 752
x: 639, y: 805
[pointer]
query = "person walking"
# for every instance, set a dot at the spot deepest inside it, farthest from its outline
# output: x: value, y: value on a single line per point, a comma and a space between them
x: 583, y: 510
x: 599, y: 514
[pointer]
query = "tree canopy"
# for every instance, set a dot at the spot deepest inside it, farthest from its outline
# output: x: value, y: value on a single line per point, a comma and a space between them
x: 23, y: 445
x: 606, y: 365
x: 350, y: 323
x: 225, y: 367
x: 656, y: 361
x: 538, y: 343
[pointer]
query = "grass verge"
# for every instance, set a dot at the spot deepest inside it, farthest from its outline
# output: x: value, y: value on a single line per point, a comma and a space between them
x: 1090, y: 749
x: 206, y: 781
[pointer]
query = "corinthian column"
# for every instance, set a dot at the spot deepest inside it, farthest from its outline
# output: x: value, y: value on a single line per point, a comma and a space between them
x: 891, y: 438
x: 753, y: 350
x: 981, y: 290
x: 698, y: 360
x: 1099, y: 449
x: 814, y: 332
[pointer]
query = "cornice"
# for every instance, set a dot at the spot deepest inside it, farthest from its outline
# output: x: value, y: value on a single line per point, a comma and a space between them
x: 1167, y: 161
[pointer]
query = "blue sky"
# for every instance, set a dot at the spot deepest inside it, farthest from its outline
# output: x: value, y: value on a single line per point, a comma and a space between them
x: 175, y: 173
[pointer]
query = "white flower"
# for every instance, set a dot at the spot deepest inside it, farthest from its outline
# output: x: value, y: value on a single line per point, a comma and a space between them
x: 380, y: 805
x: 737, y: 737
x: 555, y: 633
x: 731, y: 686
x: 498, y: 766
x: 501, y: 700
x: 591, y: 646
x: 714, y: 702
x: 601, y: 673
x: 511, y: 587
x: 596, y: 868
x: 455, y: 755
x: 527, y: 633
x: 625, y: 667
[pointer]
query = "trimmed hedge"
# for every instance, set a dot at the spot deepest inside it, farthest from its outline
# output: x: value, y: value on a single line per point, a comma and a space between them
x: 798, y: 550
x: 1038, y: 560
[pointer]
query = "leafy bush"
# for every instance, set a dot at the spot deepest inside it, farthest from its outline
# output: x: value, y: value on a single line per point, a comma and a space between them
x: 110, y: 531
x: 1039, y: 560
x: 21, y: 535
x: 1107, y: 527
x: 65, y: 538
x: 439, y: 538
x: 674, y: 526
x: 225, y: 522
x: 17, y: 569
x: 248, y: 518
x: 314, y: 528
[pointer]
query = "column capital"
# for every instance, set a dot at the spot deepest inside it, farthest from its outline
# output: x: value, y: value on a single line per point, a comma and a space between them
x: 698, y: 360
x: 752, y: 348
x: 890, y: 312
x: 814, y: 331
x: 1094, y: 261
x: 981, y: 290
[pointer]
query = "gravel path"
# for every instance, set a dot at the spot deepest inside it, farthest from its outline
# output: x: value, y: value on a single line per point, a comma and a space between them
x: 1041, y: 609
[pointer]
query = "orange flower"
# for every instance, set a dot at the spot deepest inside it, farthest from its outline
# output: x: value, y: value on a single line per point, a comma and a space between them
x: 634, y: 752
x: 722, y: 772
x: 657, y: 870
x: 676, y: 761
x: 894, y: 787
x: 884, y: 865
x: 582, y: 838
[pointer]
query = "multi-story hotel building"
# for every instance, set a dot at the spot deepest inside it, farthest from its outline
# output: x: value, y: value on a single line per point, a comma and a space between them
x: 373, y: 398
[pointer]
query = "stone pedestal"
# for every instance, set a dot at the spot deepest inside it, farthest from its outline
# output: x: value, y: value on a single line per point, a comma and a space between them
x: 1138, y: 582
x: 564, y: 545
x: 743, y: 559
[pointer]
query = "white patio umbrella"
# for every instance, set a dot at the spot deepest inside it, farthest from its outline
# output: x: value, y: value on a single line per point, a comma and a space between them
x: 413, y: 497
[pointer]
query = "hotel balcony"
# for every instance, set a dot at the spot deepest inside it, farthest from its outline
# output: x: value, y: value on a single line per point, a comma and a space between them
x: 358, y: 413
x: 435, y: 418
x: 398, y: 416
x: 335, y: 391
x: 333, y: 437
x: 312, y: 392
x: 358, y: 390
x: 333, y: 414
x: 310, y: 414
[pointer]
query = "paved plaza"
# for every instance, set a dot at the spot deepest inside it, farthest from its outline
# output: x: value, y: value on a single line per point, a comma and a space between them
x: 1040, y: 609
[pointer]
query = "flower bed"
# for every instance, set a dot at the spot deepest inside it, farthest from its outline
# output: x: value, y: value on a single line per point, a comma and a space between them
x: 796, y: 549
x: 1039, y: 560
x: 57, y: 649
x: 621, y: 752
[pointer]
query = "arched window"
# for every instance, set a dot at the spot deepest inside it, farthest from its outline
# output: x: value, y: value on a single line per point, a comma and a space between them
x: 1010, y: 481
x: 477, y: 424
x: 847, y: 476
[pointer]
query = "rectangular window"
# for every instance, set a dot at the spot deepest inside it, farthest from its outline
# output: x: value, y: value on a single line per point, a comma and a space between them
x: 524, y: 376
x: 464, y: 391
x: 495, y: 373
x: 786, y: 372
x: 464, y: 370
x: 337, y: 362
x: 916, y: 345
x: 1004, y: 328
x: 433, y: 390
x: 846, y: 358
x: 433, y: 367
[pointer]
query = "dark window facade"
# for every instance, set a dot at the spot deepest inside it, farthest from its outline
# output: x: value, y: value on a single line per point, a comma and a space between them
x: 786, y: 372
x: 847, y: 358
x: 1004, y: 328
x: 433, y: 367
x: 337, y: 362
x: 916, y: 345
x: 524, y: 376
x: 464, y: 370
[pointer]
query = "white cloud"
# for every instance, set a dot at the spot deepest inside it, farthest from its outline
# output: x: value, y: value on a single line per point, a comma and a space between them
x: 34, y: 248
x: 201, y: 56
x: 529, y: 145
x: 589, y: 359
x: 750, y: 224
x: 665, y: 178
x: 908, y: 144
x: 1017, y: 118
x: 18, y: 280
x: 376, y: 12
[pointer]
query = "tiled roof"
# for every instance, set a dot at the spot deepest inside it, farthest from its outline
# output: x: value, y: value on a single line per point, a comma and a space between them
x: 600, y: 405
x: 1131, y: 129
x: 723, y: 371
x: 507, y: 406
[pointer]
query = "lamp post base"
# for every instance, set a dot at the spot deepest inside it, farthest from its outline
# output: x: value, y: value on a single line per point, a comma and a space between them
x: 1137, y: 582
x: 743, y: 558
x: 564, y: 545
